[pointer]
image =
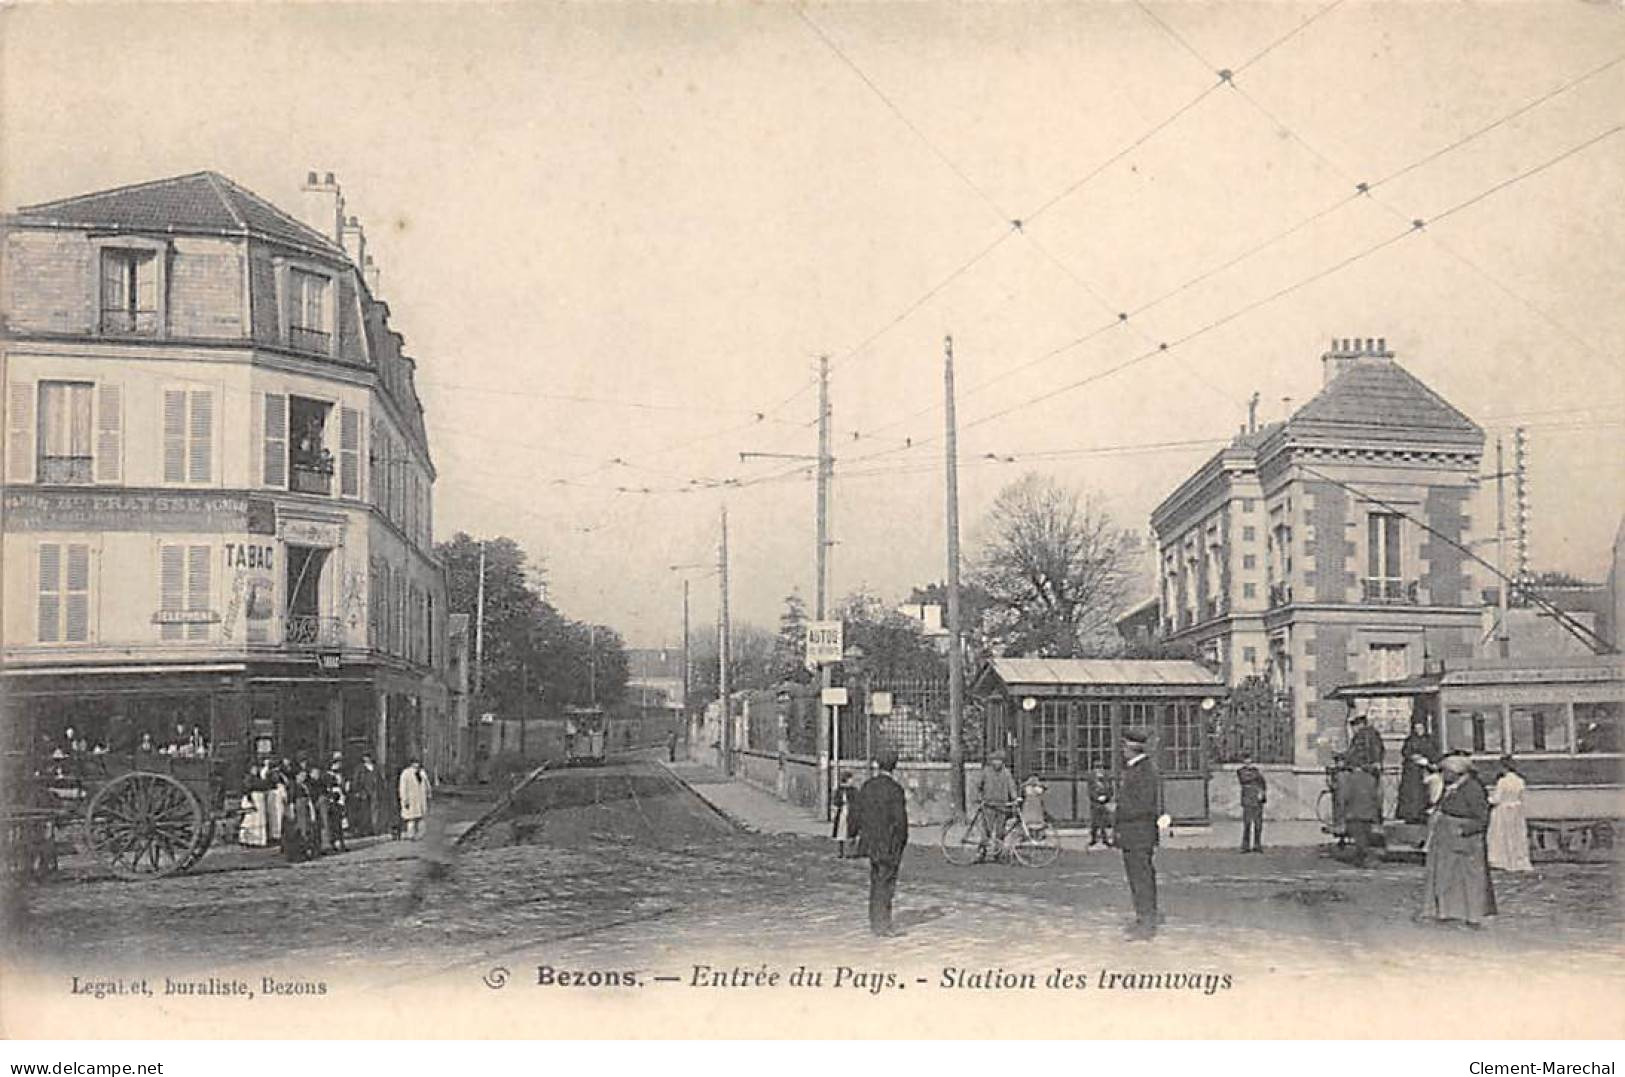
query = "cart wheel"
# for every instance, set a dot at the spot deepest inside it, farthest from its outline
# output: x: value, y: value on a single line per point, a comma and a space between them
x: 144, y: 826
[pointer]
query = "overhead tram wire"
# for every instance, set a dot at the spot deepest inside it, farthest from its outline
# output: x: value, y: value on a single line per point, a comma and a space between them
x: 1365, y: 188
x: 1415, y: 226
x: 1355, y: 194
x: 1017, y: 224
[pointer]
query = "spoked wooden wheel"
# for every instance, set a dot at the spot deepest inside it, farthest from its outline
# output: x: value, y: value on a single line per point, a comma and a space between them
x: 145, y: 826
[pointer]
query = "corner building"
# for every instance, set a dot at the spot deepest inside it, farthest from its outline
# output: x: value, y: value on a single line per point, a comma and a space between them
x: 1322, y: 551
x: 218, y: 487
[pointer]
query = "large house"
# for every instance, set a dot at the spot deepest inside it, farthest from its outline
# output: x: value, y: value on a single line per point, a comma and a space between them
x: 218, y: 508
x: 1328, y: 549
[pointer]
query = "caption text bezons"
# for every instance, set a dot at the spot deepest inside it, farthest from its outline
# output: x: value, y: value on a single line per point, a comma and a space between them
x: 196, y: 987
x: 875, y: 981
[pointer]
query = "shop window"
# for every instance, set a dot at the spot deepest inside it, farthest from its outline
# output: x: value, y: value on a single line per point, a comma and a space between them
x: 1596, y: 727
x: 1539, y: 727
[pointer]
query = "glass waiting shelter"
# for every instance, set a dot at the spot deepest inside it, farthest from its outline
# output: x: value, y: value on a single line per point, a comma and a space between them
x: 1060, y: 718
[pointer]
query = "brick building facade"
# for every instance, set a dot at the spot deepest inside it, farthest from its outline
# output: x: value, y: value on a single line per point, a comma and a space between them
x: 1320, y: 550
x: 218, y: 487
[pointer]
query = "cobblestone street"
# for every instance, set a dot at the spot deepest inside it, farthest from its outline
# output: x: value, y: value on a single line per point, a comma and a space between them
x: 623, y: 868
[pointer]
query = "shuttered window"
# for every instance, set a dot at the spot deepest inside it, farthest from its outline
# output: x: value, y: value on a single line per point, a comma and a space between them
x: 185, y: 577
x: 275, y: 432
x: 64, y: 592
x: 188, y: 425
x: 349, y: 452
x: 20, y: 432
x: 109, y: 433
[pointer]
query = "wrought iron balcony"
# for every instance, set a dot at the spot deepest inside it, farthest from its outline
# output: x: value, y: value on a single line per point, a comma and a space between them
x: 64, y: 470
x: 308, y: 630
x: 1280, y: 594
x: 1388, y: 591
x: 133, y: 322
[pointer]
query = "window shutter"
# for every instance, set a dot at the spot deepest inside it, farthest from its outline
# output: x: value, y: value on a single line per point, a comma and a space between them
x: 109, y: 432
x: 78, y: 593
x: 200, y: 448
x: 198, y: 562
x: 349, y: 452
x: 50, y: 592
x: 174, y: 435
x: 171, y: 569
x: 146, y: 283
x: 20, y: 432
x: 276, y: 440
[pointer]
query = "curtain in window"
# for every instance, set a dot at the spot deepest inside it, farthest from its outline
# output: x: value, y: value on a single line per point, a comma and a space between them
x: 65, y: 418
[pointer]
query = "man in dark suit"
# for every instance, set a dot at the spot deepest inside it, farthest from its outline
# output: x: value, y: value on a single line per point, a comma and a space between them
x: 1254, y: 792
x: 881, y: 816
x: 1139, y: 803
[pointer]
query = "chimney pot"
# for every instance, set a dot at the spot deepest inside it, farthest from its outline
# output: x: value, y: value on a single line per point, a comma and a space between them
x: 329, y: 178
x: 354, y: 222
x: 311, y: 179
x: 1371, y: 345
x: 1382, y: 345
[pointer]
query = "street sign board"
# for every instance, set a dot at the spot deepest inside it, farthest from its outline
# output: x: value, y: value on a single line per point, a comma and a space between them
x: 823, y: 642
x: 834, y: 697
x: 880, y: 704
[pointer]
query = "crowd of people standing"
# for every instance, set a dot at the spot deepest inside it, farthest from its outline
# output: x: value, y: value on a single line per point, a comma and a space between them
x: 307, y: 811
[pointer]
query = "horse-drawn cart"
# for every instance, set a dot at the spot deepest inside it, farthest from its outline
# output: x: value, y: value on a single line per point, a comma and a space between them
x: 142, y: 815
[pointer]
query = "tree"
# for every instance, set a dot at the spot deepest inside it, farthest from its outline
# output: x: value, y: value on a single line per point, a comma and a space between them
x: 790, y: 648
x: 974, y: 604
x: 535, y: 657
x: 889, y: 643
x: 1055, y: 567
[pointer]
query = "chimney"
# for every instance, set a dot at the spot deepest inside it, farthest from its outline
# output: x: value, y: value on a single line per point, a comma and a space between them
x: 322, y: 206
x: 369, y: 273
x: 355, y: 242
x: 1352, y: 351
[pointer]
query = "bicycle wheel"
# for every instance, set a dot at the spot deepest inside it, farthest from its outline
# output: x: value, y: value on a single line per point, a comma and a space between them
x: 1323, y: 808
x: 962, y: 840
x: 1037, y: 849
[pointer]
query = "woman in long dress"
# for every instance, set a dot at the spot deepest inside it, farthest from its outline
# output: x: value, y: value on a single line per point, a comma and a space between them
x: 1416, y: 755
x: 1509, y: 830
x: 253, y: 831
x: 414, y: 791
x: 276, y: 802
x: 1457, y: 883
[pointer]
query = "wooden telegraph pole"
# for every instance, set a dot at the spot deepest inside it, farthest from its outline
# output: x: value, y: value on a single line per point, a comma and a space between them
x: 725, y: 649
x: 828, y: 736
x: 956, y: 657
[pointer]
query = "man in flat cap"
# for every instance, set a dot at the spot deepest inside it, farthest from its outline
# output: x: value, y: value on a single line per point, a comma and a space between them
x: 1139, y: 803
x: 881, y: 816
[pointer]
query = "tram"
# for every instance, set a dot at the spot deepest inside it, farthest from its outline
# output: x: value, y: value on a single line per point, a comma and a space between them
x: 585, y: 734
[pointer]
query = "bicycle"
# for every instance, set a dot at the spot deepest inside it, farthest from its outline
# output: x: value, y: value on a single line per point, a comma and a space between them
x: 965, y: 841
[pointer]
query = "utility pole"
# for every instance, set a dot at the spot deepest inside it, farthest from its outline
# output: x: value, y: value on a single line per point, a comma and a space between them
x: 479, y: 632
x: 956, y: 657
x: 1503, y: 643
x: 685, y: 659
x: 725, y: 652
x: 828, y: 739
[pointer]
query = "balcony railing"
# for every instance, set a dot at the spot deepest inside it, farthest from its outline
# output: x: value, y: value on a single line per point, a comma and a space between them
x: 1388, y: 591
x: 306, y: 339
x: 135, y: 322
x: 64, y: 470
x: 312, y: 631
x: 306, y: 479
x: 1280, y: 594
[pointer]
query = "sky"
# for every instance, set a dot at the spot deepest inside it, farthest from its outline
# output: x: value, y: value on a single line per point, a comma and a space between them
x: 616, y: 238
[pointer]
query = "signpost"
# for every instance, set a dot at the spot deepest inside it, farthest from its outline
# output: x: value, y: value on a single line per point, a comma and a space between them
x: 835, y: 699
x: 824, y: 642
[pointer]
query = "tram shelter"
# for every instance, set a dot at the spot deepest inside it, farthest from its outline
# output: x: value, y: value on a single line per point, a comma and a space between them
x: 1060, y: 718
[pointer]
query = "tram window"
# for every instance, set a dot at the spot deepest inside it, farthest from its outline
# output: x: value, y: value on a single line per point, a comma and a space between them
x: 1540, y: 727
x: 1477, y: 731
x: 1596, y: 727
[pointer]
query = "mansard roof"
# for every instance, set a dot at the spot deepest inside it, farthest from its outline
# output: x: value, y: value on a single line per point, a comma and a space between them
x: 1378, y: 398
x: 199, y: 203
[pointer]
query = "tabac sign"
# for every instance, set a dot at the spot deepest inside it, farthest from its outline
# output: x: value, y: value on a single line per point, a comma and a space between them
x: 823, y: 642
x: 124, y: 510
